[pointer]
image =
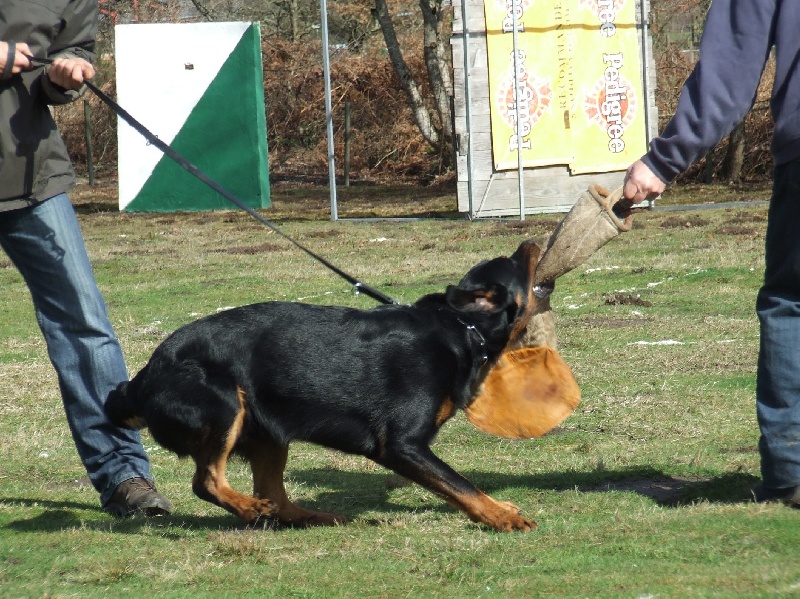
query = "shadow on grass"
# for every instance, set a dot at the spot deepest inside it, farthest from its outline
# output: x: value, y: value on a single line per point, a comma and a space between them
x: 61, y: 515
x: 357, y: 489
x: 357, y: 492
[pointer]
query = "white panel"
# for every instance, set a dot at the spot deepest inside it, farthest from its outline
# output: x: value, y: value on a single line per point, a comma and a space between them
x: 162, y: 72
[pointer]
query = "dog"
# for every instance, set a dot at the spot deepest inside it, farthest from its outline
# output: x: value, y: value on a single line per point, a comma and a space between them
x: 377, y: 383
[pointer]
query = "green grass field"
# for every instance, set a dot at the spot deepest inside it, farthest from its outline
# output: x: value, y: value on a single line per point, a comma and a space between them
x: 643, y: 492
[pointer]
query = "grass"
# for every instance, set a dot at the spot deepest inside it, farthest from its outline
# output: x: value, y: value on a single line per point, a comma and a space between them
x: 643, y: 492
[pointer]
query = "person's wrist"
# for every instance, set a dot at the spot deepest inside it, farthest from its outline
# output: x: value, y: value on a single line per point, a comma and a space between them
x: 11, y: 56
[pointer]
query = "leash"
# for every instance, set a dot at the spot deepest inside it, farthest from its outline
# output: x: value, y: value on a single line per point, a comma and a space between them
x: 358, y: 286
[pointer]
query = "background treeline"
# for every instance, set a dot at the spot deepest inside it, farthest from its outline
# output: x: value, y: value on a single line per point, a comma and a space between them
x: 390, y: 62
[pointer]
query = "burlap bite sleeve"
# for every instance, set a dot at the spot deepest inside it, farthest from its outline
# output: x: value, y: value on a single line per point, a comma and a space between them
x: 595, y: 219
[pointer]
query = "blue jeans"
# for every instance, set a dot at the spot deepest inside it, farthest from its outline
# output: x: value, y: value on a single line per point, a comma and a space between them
x: 778, y: 308
x: 45, y: 243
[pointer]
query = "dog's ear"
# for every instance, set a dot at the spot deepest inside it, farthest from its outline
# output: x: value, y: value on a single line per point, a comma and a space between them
x: 527, y: 253
x: 490, y: 299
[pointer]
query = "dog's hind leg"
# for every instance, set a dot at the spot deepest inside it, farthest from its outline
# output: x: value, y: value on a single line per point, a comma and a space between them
x: 268, y: 462
x: 420, y: 464
x: 210, y: 483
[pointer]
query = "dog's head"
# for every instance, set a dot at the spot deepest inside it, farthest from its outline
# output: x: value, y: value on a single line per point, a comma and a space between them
x: 498, y: 294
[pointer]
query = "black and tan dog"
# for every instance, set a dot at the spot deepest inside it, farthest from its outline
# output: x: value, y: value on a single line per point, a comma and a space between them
x: 378, y: 383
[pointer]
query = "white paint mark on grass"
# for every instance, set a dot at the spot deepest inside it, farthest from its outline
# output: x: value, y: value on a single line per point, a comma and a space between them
x: 657, y: 283
x: 603, y: 269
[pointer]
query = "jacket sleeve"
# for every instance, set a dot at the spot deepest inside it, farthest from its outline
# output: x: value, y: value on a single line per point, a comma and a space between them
x: 737, y: 39
x: 76, y: 39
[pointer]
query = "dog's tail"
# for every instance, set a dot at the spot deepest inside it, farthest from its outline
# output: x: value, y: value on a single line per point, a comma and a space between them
x: 123, y: 407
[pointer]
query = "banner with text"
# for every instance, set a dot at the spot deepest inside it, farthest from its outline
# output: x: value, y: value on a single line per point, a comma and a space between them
x: 578, y: 84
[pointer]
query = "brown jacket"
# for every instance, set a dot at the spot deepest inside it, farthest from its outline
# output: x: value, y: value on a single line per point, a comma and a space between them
x: 34, y: 164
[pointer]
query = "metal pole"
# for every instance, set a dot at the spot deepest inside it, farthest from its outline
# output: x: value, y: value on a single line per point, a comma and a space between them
x: 520, y: 181
x: 468, y: 103
x: 87, y: 126
x: 643, y: 15
x: 347, y: 144
x: 326, y: 67
x: 644, y: 11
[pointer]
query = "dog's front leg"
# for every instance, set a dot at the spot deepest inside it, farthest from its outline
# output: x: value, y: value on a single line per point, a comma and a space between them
x: 421, y: 465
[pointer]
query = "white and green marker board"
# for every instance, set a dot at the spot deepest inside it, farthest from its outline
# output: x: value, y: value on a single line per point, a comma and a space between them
x: 199, y: 88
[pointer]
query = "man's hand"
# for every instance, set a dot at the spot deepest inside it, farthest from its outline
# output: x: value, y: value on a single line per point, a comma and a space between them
x: 641, y: 183
x: 70, y: 73
x: 11, y: 64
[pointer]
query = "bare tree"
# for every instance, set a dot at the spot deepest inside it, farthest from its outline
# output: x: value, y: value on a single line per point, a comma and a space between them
x: 734, y: 154
x: 438, y: 132
x: 422, y: 115
x: 437, y: 62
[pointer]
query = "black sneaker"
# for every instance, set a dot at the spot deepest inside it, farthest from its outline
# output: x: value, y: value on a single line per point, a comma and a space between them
x: 789, y: 496
x: 137, y: 496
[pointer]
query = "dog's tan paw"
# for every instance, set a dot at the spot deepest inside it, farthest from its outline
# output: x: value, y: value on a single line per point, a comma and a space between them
x: 518, y: 523
x: 309, y: 519
x: 507, y: 518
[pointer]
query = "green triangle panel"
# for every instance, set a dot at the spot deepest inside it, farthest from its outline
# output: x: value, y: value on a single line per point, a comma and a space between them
x: 225, y: 137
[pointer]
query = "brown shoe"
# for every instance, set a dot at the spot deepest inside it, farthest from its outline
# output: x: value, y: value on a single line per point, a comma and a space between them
x: 789, y: 496
x: 137, y: 496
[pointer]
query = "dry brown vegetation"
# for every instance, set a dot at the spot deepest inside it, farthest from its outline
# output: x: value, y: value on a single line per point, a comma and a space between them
x: 384, y: 139
x: 386, y: 145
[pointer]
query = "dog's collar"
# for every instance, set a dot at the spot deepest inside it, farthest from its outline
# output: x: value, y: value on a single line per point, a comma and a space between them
x: 473, y: 332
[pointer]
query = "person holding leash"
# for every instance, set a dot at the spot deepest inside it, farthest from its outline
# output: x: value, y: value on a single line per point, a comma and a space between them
x: 40, y: 234
x: 738, y: 38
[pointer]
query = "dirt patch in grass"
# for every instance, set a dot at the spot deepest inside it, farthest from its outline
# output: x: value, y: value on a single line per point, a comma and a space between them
x: 684, y: 220
x: 741, y: 218
x: 532, y: 228
x: 140, y: 252
x: 615, y: 323
x: 251, y: 250
x: 324, y: 234
x: 736, y: 231
x: 623, y: 299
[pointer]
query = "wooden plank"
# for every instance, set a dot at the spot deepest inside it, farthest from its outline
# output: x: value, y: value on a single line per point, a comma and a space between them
x: 547, y: 189
x: 554, y: 192
x: 476, y: 22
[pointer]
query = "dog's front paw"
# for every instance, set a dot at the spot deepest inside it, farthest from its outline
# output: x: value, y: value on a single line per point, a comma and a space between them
x: 507, y: 518
x: 517, y: 523
x: 301, y: 518
x: 325, y: 519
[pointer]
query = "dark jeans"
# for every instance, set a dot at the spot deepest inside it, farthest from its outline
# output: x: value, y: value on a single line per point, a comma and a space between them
x: 45, y: 243
x: 778, y: 308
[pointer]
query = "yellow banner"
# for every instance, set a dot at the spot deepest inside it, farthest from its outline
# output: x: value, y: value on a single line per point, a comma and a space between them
x: 579, y: 84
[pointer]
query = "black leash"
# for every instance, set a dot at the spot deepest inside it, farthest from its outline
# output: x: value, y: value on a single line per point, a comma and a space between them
x: 192, y: 169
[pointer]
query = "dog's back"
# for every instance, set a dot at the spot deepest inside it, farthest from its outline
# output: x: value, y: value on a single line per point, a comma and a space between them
x: 313, y: 373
